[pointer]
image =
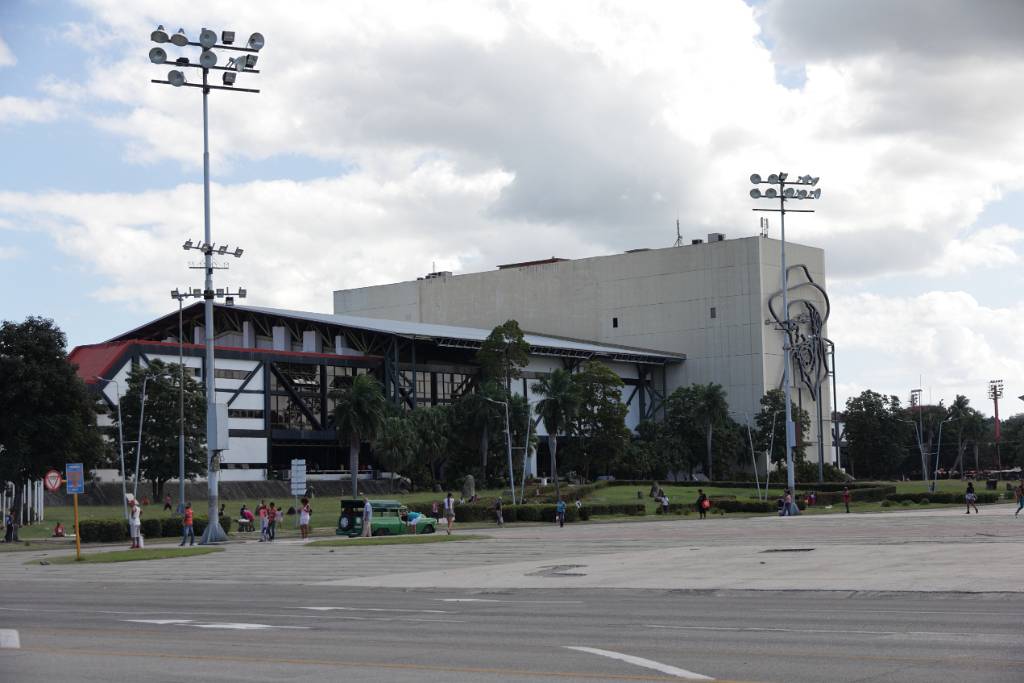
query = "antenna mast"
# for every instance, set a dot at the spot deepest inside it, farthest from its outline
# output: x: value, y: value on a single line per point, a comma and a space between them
x: 679, y: 236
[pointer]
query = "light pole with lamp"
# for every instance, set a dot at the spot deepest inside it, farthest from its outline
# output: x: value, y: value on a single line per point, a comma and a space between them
x: 753, y: 458
x: 786, y: 190
x: 207, y: 62
x: 508, y: 448
x: 938, y: 453
x: 120, y: 441
x: 180, y: 297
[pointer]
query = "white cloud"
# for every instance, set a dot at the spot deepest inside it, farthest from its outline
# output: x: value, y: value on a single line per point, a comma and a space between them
x: 10, y: 253
x: 949, y: 338
x: 7, y: 57
x: 990, y: 248
x: 27, y: 110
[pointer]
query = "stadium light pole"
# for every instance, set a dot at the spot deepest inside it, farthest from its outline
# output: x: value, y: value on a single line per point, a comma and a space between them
x: 176, y: 78
x: 995, y: 392
x: 785, y: 191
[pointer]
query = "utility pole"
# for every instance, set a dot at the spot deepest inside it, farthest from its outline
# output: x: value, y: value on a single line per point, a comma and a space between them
x: 995, y: 392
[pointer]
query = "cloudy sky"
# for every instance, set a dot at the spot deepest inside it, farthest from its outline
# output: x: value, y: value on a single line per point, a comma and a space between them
x: 390, y: 138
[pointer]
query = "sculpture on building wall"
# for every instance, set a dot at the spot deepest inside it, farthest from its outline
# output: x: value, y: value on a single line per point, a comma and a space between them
x: 810, y: 308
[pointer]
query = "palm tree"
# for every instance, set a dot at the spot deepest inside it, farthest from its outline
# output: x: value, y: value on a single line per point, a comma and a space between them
x: 359, y: 413
x: 558, y: 407
x: 710, y: 409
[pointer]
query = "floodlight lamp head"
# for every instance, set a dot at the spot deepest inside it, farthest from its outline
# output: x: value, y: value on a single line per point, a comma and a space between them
x: 159, y: 35
x: 771, y: 193
x: 187, y: 245
x: 755, y: 178
x: 207, y: 38
x: 220, y: 292
x: 755, y: 193
x: 229, y: 77
x: 789, y: 193
x: 158, y: 55
x: 241, y: 292
x: 179, y: 38
x: 250, y: 61
x: 256, y: 41
x: 196, y: 292
x: 816, y: 193
x: 176, y: 78
x: 175, y: 294
x: 814, y: 180
x: 802, y: 194
x: 773, y: 179
x: 223, y: 249
x: 783, y: 176
x: 238, y: 252
x: 227, y: 37
x: 208, y: 59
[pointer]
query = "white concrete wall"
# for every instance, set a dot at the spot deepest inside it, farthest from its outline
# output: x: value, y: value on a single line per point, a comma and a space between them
x: 662, y: 299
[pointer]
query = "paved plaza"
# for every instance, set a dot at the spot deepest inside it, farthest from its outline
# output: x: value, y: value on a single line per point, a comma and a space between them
x: 929, y: 595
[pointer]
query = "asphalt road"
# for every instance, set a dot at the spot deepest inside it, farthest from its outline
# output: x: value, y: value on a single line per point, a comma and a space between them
x: 633, y: 601
x: 176, y: 631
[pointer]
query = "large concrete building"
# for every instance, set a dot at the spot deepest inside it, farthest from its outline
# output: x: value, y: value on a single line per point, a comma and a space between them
x: 718, y: 302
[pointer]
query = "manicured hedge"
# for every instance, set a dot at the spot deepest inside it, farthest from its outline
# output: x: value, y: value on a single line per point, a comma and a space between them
x: 942, y: 497
x: 116, y: 530
x: 862, y: 494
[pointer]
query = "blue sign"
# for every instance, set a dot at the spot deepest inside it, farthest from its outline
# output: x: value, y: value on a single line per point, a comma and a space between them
x: 75, y: 475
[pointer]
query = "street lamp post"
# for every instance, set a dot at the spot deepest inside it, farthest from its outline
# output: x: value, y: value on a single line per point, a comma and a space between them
x: 120, y: 441
x: 785, y: 191
x: 508, y: 448
x: 176, y: 78
x: 753, y: 458
x: 938, y: 454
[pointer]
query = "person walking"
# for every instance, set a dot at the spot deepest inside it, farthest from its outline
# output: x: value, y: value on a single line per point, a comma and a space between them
x: 367, y: 518
x: 703, y: 503
x: 304, y: 514
x: 271, y: 522
x: 1019, y: 492
x: 167, y: 503
x: 10, y: 527
x: 187, y: 533
x: 972, y: 499
x: 560, y: 513
x: 262, y: 512
x: 449, y: 511
x: 134, y: 521
x: 664, y: 503
x: 497, y: 512
x: 846, y: 498
x: 787, y: 504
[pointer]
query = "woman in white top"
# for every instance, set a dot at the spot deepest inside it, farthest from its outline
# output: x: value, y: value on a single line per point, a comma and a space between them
x: 134, y: 521
x: 304, y: 513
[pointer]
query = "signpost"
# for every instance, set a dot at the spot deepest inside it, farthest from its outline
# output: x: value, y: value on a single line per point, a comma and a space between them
x: 52, y: 480
x: 76, y: 484
x: 298, y: 482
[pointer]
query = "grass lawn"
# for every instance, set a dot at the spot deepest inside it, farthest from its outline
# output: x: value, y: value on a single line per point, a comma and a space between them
x: 393, y: 540
x: 133, y: 555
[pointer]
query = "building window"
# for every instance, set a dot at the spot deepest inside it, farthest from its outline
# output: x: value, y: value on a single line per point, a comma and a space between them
x: 714, y: 313
x: 615, y: 322
x: 221, y: 373
x: 245, y: 414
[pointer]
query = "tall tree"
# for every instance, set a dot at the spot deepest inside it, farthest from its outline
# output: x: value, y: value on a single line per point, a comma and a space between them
x: 503, y: 354
x: 600, y: 422
x: 396, y: 445
x: 47, y: 417
x: 875, y: 434
x: 968, y: 425
x: 161, y: 417
x: 557, y: 409
x: 771, y: 426
x: 433, y: 437
x: 358, y: 416
x: 480, y: 413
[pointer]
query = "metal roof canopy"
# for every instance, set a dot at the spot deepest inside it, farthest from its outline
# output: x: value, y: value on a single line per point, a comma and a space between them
x: 451, y: 336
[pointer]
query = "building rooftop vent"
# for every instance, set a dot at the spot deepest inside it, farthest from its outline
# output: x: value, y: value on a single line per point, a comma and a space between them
x: 697, y: 241
x: 440, y: 273
x: 716, y: 237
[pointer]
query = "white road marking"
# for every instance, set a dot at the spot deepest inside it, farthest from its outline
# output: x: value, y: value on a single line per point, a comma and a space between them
x: 159, y: 622
x: 646, y: 663
x: 825, y: 630
x: 513, y: 602
x: 9, y: 639
x: 247, y: 627
x: 374, y: 609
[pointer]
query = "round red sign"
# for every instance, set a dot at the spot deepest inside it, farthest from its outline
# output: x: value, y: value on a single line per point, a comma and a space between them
x: 52, y: 480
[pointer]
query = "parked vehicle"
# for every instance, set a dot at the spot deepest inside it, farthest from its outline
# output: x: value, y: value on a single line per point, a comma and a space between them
x: 390, y: 518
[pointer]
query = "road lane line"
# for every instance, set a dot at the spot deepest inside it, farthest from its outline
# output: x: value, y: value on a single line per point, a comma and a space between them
x: 513, y: 602
x: 774, y: 629
x: 216, y: 624
x: 159, y: 622
x: 9, y: 639
x: 646, y: 663
x: 374, y: 609
x: 397, y: 666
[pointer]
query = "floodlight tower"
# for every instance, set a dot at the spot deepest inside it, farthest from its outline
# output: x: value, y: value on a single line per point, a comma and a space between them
x: 207, y: 62
x: 786, y: 191
x: 995, y: 392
